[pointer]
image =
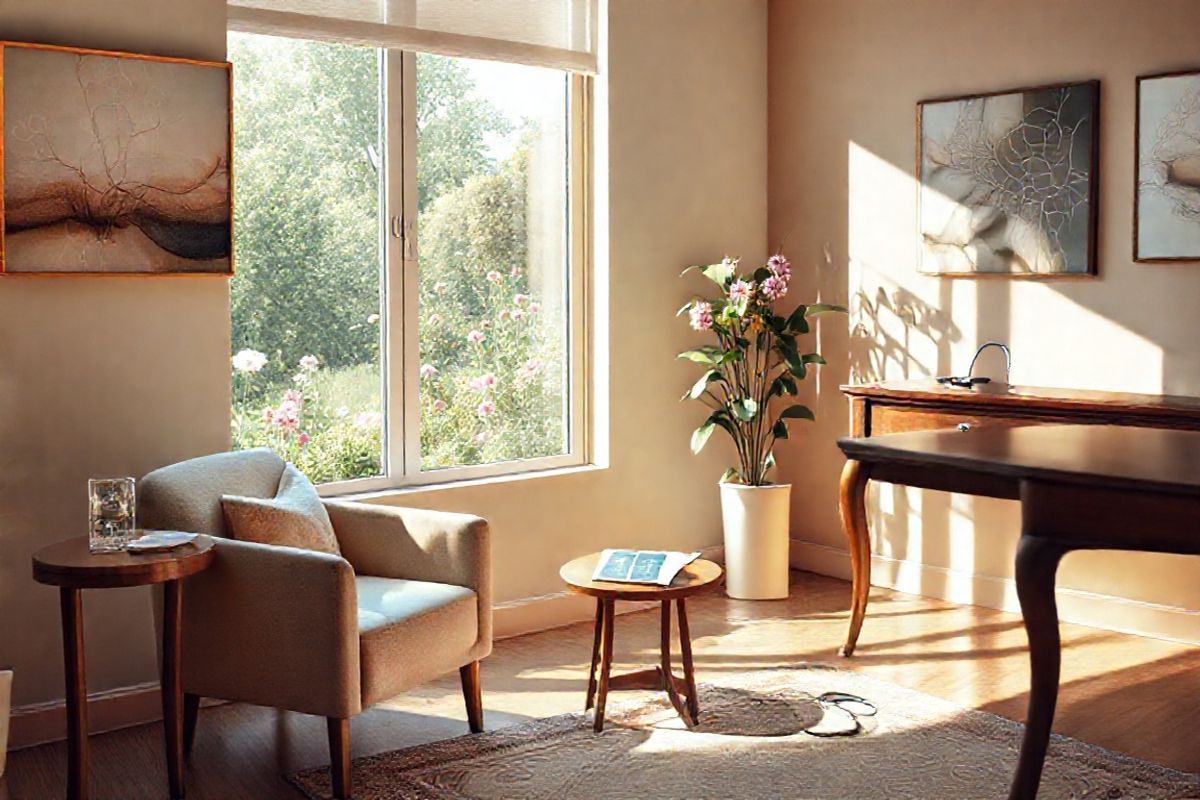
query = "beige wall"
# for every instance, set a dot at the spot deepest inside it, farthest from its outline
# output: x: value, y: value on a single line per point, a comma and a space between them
x: 114, y: 377
x: 99, y: 377
x: 844, y: 78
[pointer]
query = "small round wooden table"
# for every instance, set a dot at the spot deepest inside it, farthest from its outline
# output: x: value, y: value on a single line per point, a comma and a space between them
x: 698, y: 576
x: 72, y: 567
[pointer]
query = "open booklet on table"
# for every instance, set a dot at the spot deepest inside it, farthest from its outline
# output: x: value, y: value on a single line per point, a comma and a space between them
x: 641, y: 566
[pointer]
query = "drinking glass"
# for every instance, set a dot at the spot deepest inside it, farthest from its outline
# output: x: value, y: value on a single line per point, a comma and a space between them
x: 111, y: 510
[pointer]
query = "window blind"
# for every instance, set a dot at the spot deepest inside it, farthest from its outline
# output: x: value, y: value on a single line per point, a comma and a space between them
x: 549, y: 33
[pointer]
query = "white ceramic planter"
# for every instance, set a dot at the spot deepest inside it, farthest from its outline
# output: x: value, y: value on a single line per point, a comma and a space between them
x: 5, y: 707
x: 756, y: 540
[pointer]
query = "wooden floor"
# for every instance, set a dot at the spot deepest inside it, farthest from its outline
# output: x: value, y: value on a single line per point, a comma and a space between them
x: 1135, y: 695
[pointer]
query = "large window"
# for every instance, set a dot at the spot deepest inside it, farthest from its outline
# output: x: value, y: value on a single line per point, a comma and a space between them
x: 409, y: 252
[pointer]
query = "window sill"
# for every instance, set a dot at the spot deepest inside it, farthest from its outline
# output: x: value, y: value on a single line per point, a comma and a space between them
x: 462, y: 483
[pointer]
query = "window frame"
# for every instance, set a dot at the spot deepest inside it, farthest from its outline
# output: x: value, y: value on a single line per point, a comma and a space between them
x: 400, y: 338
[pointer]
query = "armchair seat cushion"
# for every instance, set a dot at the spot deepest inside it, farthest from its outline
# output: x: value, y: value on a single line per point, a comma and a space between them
x: 411, y: 631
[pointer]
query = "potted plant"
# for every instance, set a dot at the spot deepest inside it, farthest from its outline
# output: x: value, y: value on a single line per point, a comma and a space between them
x: 756, y: 363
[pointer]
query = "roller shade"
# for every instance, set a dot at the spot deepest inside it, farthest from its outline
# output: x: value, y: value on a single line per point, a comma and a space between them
x: 550, y: 33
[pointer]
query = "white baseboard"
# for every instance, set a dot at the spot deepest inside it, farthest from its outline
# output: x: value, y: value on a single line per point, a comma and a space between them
x: 1074, y: 605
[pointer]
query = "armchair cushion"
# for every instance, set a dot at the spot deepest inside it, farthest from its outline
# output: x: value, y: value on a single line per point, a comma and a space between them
x: 294, y: 517
x: 411, y: 631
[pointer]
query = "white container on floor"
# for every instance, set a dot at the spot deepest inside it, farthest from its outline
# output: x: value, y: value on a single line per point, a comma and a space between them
x: 756, y: 540
x: 5, y: 708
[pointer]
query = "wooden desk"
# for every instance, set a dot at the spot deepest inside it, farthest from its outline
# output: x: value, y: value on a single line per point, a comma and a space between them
x: 893, y: 407
x: 1081, y: 487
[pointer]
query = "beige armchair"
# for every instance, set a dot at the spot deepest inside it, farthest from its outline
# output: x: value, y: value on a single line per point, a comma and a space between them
x: 408, y: 599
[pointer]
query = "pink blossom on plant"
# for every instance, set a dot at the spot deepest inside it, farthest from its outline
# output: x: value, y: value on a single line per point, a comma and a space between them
x: 435, y: 319
x: 309, y: 363
x: 701, y: 315
x: 780, y: 267
x: 535, y: 308
x: 774, y: 287
x: 287, y: 415
x: 740, y: 291
x: 482, y: 383
x: 428, y: 370
x: 519, y: 299
x: 475, y: 337
x: 439, y: 405
x: 528, y: 371
x: 518, y: 314
x: 515, y: 271
x: 494, y: 277
x: 303, y: 439
x: 292, y: 396
x: 486, y: 408
x: 504, y: 315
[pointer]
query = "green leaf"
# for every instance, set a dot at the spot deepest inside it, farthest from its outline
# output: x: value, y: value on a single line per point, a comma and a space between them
x: 782, y: 385
x: 824, y: 308
x: 761, y: 274
x: 728, y: 357
x: 779, y: 429
x: 796, y: 322
x: 721, y: 273
x: 797, y: 412
x: 769, y: 461
x: 700, y: 436
x: 731, y: 476
x: 744, y: 409
x: 706, y: 355
x: 699, y: 386
x: 813, y: 358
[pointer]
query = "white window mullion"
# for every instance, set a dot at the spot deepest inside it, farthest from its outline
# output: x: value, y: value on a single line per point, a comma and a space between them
x: 406, y: 102
x: 395, y: 270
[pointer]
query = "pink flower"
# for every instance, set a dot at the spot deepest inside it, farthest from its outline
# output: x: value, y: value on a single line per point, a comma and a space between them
x: 494, y: 277
x: 486, y: 408
x: 482, y: 383
x: 515, y: 271
x: 504, y: 315
x: 435, y: 319
x: 475, y: 337
x: 701, y: 315
x: 303, y: 439
x: 528, y: 370
x: 535, y: 308
x: 428, y: 370
x: 439, y: 405
x: 780, y: 267
x: 309, y: 363
x: 519, y: 299
x: 287, y: 415
x: 518, y: 314
x: 774, y: 287
x: 740, y: 291
x: 292, y: 396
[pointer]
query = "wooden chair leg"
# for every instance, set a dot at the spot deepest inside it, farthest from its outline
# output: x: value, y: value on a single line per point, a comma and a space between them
x: 191, y: 715
x: 473, y: 695
x: 596, y: 634
x: 339, y: 757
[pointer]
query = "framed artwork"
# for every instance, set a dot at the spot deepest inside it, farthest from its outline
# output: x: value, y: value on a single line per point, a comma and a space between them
x: 1007, y: 182
x: 113, y: 163
x: 1166, y: 212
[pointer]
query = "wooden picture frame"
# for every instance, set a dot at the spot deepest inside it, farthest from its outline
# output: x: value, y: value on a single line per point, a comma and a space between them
x: 1172, y: 202
x: 975, y: 214
x: 125, y: 168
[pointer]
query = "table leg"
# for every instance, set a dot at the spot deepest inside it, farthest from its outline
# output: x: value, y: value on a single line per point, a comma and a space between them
x: 685, y: 649
x: 606, y: 653
x: 1037, y: 563
x: 172, y: 685
x: 597, y: 632
x: 71, y: 601
x: 853, y: 507
x: 667, y: 675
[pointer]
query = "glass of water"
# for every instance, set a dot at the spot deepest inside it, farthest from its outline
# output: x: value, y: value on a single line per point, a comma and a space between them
x: 111, y: 511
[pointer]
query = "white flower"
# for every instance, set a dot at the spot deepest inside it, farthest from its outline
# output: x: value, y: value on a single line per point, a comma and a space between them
x: 249, y: 361
x: 372, y: 318
x: 341, y: 412
x: 309, y: 362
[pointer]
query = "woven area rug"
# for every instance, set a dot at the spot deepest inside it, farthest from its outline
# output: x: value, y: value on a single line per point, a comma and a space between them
x: 751, y: 744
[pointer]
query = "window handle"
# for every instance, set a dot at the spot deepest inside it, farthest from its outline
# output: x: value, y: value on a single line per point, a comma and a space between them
x: 397, y: 228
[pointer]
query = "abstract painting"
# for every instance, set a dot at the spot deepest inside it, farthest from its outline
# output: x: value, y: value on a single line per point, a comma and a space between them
x: 1166, y: 216
x: 113, y: 163
x: 1007, y: 182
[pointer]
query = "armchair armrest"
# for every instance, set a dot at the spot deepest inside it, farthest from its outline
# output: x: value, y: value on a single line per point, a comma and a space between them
x: 275, y: 626
x: 418, y: 544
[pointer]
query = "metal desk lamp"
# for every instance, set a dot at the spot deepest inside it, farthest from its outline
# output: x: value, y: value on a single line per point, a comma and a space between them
x: 968, y: 382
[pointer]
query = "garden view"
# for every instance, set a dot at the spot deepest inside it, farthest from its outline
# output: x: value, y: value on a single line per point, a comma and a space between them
x: 307, y: 305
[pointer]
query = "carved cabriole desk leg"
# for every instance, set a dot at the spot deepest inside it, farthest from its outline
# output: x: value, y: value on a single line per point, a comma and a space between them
x: 852, y: 501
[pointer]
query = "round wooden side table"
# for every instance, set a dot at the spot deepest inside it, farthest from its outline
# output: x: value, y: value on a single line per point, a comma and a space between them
x: 70, y: 566
x: 698, y: 576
